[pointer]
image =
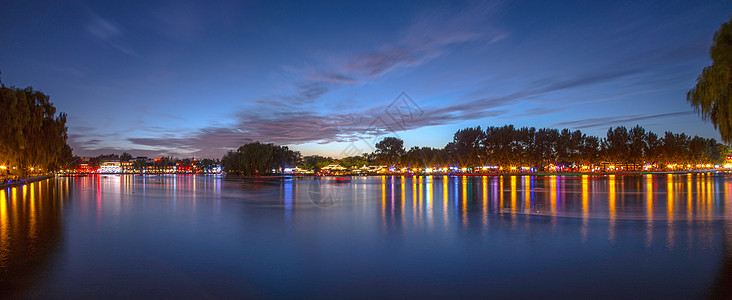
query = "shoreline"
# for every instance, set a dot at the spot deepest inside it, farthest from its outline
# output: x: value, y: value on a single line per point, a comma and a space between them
x: 20, y: 182
x: 288, y: 176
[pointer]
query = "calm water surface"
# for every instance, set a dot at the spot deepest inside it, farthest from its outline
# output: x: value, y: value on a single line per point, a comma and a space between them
x: 661, y: 236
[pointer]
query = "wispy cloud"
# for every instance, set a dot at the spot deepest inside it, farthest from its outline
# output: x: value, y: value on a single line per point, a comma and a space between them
x: 430, y: 35
x: 617, y: 120
x: 306, y: 126
x: 109, y: 32
x: 86, y: 140
x: 289, y: 118
x: 538, y: 111
x: 305, y: 93
x: 297, y: 125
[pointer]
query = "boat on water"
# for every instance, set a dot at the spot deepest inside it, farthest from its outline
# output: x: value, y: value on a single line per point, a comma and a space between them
x: 343, y: 179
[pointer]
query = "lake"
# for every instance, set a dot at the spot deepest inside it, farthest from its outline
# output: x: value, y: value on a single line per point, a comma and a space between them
x: 188, y: 236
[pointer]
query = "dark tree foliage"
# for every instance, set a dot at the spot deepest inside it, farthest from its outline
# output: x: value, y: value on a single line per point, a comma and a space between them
x: 207, y: 165
x: 389, y: 151
x: 508, y: 147
x: 712, y: 95
x: 259, y: 159
x: 125, y: 157
x: 637, y: 145
x: 139, y: 164
x: 164, y: 162
x: 315, y: 162
x: 32, y: 135
x: 616, y: 146
x: 425, y: 157
x: 353, y: 162
x: 466, y: 147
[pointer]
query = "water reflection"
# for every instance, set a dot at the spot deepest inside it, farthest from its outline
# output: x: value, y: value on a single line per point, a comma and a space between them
x: 649, y: 209
x: 670, y: 211
x: 611, y: 208
x: 607, y: 199
x: 30, y: 232
x: 207, y: 230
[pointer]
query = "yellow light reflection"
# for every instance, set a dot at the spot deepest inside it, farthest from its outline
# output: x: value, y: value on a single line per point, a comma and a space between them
x: 611, y: 208
x: 710, y: 195
x: 699, y: 194
x: 649, y: 196
x: 553, y: 194
x: 670, y: 198
x: 585, y: 197
x: 40, y: 196
x: 500, y: 193
x: 703, y: 189
x: 421, y: 194
x: 527, y: 194
x: 414, y: 194
x: 445, y: 179
x: 649, y: 209
x: 484, y: 183
x: 391, y: 199
x: 553, y: 200
x: 689, y: 209
x: 15, y: 210
x: 585, y: 207
x: 465, y: 200
x: 670, y: 211
x: 4, y: 225
x: 33, y: 218
x: 513, y: 196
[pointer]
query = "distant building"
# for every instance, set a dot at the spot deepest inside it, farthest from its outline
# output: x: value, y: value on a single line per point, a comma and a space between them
x: 333, y: 168
x: 110, y: 166
x: 298, y: 170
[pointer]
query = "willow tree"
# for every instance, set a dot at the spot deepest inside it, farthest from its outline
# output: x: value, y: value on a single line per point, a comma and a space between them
x: 712, y: 95
x: 32, y: 136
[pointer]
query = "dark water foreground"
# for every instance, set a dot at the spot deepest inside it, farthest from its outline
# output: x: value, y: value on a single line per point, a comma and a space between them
x: 662, y: 236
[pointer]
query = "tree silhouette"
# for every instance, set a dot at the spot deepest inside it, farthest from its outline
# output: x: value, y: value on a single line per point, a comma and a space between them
x: 259, y: 159
x: 712, y: 95
x: 390, y: 150
x: 32, y: 136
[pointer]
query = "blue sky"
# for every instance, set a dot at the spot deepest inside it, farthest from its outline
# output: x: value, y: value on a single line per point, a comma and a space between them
x: 198, y: 78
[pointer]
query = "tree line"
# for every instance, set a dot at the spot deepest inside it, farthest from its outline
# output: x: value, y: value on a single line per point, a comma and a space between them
x: 508, y: 146
x: 505, y: 147
x: 33, y: 137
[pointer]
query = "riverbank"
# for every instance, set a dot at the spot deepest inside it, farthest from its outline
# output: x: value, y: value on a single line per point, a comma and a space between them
x: 18, y: 182
x: 288, y: 176
x: 596, y: 174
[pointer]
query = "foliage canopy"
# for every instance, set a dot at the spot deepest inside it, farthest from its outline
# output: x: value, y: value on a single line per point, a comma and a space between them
x: 712, y: 95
